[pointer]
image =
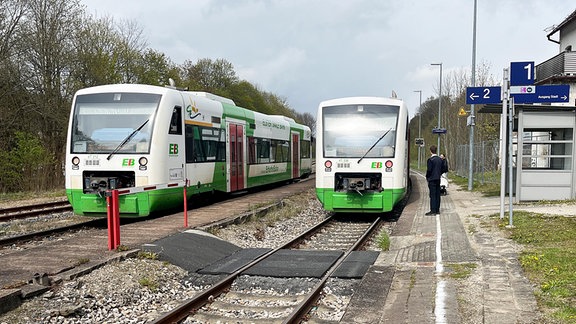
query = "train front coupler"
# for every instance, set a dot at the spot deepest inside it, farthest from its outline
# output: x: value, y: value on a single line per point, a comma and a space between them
x: 358, y: 182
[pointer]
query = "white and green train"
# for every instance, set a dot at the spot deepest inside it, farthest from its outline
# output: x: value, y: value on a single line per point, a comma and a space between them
x: 141, y: 136
x: 361, y: 154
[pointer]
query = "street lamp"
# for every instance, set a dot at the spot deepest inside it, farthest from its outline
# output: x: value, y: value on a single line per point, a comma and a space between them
x: 439, y: 104
x: 419, y: 124
x: 472, y: 116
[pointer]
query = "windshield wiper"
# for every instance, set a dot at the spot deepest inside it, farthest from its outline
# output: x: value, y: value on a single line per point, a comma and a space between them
x: 127, y: 139
x: 371, y: 147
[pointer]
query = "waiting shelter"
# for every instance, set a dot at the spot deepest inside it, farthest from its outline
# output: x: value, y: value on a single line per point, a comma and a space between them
x: 543, y: 167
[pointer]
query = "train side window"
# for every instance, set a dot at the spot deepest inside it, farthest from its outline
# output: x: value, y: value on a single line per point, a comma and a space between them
x: 263, y: 150
x: 189, y: 144
x: 251, y: 150
x: 280, y: 150
x: 304, y: 149
x: 176, y: 121
x: 221, y: 155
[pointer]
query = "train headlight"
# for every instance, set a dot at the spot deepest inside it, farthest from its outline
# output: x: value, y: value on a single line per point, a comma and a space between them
x: 389, y: 164
x: 143, y: 161
x: 75, y: 163
x: 328, y: 164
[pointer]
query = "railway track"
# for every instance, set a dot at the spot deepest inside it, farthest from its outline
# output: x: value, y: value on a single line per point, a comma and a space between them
x: 36, y: 235
x: 20, y: 212
x: 210, y: 305
x: 39, y: 210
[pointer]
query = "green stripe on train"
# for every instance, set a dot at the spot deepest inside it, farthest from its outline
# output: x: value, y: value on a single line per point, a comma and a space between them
x: 368, y: 202
x: 132, y: 205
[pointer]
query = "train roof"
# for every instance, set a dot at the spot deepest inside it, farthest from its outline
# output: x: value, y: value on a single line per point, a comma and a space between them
x: 213, y: 97
x: 361, y: 99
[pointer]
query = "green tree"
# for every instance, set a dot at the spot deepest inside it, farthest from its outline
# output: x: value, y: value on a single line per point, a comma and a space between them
x: 156, y: 68
x: 23, y: 167
x: 207, y: 75
x: 96, y: 53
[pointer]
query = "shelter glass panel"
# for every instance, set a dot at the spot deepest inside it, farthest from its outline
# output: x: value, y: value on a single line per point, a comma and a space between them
x: 547, y: 149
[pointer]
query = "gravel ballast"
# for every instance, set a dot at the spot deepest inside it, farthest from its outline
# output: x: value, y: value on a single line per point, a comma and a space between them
x: 139, y: 290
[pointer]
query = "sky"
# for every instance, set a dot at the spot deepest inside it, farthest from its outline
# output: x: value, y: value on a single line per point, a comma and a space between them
x: 307, y: 51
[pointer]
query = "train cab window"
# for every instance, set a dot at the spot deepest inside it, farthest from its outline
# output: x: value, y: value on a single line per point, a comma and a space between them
x: 113, y: 123
x: 176, y: 121
x: 375, y: 139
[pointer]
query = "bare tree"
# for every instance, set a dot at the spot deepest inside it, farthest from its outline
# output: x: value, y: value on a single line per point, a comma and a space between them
x: 46, y: 48
x: 11, y: 14
x: 130, y: 50
x: 96, y: 53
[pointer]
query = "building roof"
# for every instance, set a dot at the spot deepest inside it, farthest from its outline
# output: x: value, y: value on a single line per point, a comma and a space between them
x: 566, y: 21
x: 497, y: 108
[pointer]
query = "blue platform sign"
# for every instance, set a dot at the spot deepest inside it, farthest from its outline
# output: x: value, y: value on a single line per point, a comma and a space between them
x: 521, y: 73
x: 439, y: 131
x: 483, y: 95
x: 543, y: 93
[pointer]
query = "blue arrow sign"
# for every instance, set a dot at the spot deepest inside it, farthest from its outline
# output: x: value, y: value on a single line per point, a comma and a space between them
x: 544, y: 93
x: 483, y: 95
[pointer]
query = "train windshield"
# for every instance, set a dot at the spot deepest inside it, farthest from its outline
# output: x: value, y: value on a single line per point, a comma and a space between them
x: 355, y: 131
x: 113, y: 122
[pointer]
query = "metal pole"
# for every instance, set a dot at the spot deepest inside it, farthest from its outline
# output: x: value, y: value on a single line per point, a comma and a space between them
x: 503, y: 136
x: 472, y: 116
x: 419, y: 124
x: 510, y: 155
x: 439, y: 104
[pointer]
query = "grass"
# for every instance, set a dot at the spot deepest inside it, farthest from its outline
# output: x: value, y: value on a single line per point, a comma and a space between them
x: 383, y: 241
x: 148, y: 282
x: 7, y: 197
x: 486, y: 189
x: 147, y: 255
x: 548, y: 260
x: 549, y: 255
x: 460, y: 270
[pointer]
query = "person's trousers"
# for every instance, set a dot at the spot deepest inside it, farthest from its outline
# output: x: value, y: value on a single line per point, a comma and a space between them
x: 434, y: 188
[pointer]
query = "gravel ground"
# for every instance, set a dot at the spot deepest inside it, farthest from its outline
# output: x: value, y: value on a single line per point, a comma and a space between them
x: 140, y: 289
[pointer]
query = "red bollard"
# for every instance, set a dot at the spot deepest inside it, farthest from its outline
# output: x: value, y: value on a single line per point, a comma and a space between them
x: 110, y: 213
x: 113, y: 213
x: 185, y: 205
x: 116, y: 218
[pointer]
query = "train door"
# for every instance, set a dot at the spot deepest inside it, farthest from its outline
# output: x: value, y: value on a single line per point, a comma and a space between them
x: 295, y: 155
x: 236, y: 148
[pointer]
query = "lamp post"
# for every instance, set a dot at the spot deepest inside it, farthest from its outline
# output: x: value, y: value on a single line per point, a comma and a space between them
x: 439, y: 104
x: 419, y: 124
x: 472, y: 116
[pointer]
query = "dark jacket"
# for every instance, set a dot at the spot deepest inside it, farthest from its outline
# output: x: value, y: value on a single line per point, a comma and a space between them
x: 434, y: 169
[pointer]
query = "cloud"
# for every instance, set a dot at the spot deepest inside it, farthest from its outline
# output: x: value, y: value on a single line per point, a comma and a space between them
x: 309, y: 51
x: 278, y: 68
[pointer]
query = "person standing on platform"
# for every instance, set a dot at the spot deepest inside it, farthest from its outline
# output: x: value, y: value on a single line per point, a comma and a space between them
x: 434, y: 170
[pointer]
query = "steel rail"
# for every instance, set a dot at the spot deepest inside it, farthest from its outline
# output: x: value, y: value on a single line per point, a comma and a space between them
x: 33, y: 210
x: 30, y: 236
x: 304, y: 307
x: 184, y: 310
